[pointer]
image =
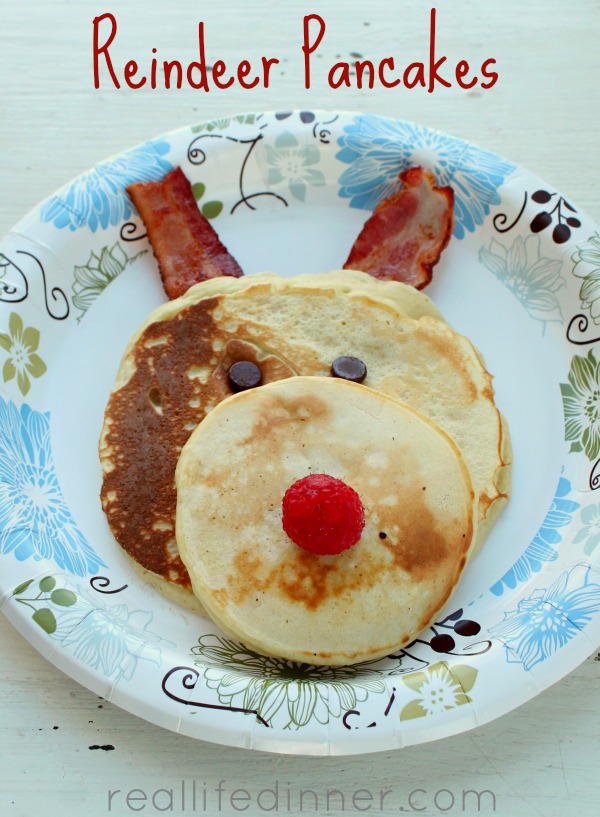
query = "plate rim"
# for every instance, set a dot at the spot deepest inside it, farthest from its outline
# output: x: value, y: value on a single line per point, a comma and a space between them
x: 27, y: 630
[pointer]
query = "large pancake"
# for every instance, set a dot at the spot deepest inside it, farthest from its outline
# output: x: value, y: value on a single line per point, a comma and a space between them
x: 280, y: 600
x: 175, y: 371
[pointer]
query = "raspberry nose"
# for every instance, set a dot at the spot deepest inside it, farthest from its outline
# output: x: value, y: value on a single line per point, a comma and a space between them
x: 322, y: 514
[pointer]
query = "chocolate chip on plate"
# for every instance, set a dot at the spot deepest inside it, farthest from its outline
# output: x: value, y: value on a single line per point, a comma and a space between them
x: 244, y: 375
x: 349, y: 368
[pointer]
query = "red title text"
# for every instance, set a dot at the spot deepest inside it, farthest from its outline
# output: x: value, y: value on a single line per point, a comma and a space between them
x: 433, y: 72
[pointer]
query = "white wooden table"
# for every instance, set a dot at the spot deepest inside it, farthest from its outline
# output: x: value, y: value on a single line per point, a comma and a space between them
x: 63, y: 749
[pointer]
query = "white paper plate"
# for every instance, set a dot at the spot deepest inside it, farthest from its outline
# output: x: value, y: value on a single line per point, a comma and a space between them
x: 288, y: 192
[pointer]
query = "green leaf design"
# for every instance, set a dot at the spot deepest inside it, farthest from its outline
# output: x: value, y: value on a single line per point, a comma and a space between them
x: 413, y: 709
x: 45, y: 618
x: 414, y: 680
x: 21, y: 345
x: 35, y: 366
x: 47, y: 584
x: 587, y: 267
x: 31, y: 338
x: 23, y: 382
x: 63, y: 598
x: 92, y: 278
x: 22, y: 587
x: 8, y: 370
x: 274, y: 696
x: 591, y: 441
x: 222, y: 124
x: 440, y: 688
x: 292, y: 693
x: 303, y: 708
x: 15, y: 325
x: 112, y: 262
x: 575, y: 448
x: 581, y: 405
x: 212, y: 209
x: 465, y: 675
x: 252, y: 693
x: 198, y: 190
x: 245, y: 119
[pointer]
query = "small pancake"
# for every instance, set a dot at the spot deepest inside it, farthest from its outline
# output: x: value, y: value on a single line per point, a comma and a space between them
x: 280, y: 600
x: 174, y: 372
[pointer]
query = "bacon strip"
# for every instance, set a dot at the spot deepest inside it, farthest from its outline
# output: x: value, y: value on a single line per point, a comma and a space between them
x: 406, y: 233
x: 186, y: 247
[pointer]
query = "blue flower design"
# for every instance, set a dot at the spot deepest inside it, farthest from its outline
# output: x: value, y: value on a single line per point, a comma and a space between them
x: 98, y: 198
x: 549, y: 618
x: 377, y: 149
x: 290, y: 161
x: 532, y: 278
x: 590, y: 529
x: 109, y: 638
x: 35, y: 521
x: 542, y: 547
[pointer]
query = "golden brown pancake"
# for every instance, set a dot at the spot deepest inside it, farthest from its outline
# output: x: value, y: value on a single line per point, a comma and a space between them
x: 279, y: 599
x: 174, y: 373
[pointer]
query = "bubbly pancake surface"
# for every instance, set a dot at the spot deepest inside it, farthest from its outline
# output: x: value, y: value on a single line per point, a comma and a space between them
x: 280, y: 600
x: 174, y: 373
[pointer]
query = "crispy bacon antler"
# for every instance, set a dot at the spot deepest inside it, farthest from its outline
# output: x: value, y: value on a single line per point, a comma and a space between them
x: 406, y: 233
x: 186, y: 247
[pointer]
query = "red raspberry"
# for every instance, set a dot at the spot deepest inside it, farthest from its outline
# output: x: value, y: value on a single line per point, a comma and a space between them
x: 322, y: 514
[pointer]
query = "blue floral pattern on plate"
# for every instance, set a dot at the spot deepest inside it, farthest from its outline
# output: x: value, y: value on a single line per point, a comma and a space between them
x: 109, y: 638
x: 542, y: 548
x: 535, y: 280
x: 291, y: 162
x: 589, y: 531
x: 35, y: 521
x: 539, y: 615
x: 377, y: 149
x: 98, y: 198
x: 548, y: 618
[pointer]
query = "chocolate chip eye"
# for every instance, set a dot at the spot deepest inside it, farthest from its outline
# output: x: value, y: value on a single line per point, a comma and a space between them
x: 244, y: 375
x: 349, y: 368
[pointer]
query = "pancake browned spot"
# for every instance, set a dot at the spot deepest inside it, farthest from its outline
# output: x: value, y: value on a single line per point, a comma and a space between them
x: 179, y: 373
x: 280, y: 600
x: 174, y: 373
